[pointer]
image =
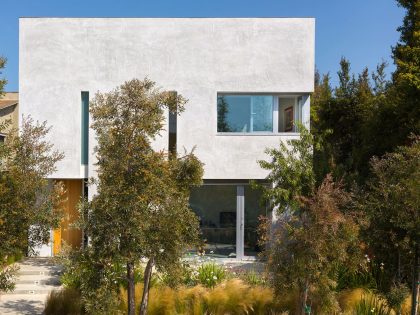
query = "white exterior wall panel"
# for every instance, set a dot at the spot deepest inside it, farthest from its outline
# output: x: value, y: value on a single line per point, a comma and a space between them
x: 198, y: 57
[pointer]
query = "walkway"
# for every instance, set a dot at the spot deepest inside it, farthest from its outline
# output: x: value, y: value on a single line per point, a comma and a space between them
x: 37, y: 277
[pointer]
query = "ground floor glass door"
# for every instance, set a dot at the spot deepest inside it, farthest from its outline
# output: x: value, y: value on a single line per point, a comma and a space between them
x: 229, y: 217
x: 215, y: 206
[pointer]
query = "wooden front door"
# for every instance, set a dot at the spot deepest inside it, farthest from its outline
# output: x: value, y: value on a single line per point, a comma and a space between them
x: 66, y: 233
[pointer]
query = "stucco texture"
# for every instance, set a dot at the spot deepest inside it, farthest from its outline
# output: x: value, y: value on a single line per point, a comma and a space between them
x: 198, y: 57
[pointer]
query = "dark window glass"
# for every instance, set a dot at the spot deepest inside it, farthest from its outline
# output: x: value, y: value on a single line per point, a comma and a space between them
x: 245, y: 113
x: 253, y: 210
x: 215, y: 207
x: 85, y: 129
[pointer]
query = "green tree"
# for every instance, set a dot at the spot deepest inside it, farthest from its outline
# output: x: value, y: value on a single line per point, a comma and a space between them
x: 341, y: 121
x: 30, y: 204
x: 404, y: 93
x: 320, y: 99
x: 392, y: 201
x: 141, y: 209
x: 316, y: 231
x: 3, y: 81
x: 366, y: 117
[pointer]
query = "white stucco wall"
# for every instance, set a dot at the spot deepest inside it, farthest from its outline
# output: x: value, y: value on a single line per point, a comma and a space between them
x: 198, y: 57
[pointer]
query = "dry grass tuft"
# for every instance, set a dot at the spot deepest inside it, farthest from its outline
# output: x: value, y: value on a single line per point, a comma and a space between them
x: 348, y: 299
x: 230, y: 297
x: 65, y: 302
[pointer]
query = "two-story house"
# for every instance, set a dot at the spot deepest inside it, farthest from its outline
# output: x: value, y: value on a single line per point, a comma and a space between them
x: 248, y: 80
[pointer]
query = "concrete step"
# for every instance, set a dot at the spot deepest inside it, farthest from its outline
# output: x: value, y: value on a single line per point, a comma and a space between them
x: 36, y: 278
x: 19, y: 292
x: 42, y: 272
x: 32, y: 289
x: 23, y: 304
x: 47, y: 281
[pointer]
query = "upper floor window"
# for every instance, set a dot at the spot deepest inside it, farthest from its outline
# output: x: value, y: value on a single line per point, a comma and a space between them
x: 289, y: 112
x: 258, y: 113
x: 245, y: 113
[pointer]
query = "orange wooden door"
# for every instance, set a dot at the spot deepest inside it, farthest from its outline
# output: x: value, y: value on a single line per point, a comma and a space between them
x: 67, y: 233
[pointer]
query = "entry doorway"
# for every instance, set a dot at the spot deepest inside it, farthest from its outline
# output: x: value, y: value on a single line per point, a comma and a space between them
x: 67, y: 233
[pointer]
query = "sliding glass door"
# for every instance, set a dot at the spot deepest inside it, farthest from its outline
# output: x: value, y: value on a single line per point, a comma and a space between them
x: 228, y: 217
x: 215, y: 206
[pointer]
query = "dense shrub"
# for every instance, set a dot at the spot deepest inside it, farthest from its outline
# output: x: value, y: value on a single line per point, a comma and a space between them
x: 11, y: 259
x: 252, y: 277
x: 396, y: 296
x: 8, y: 277
x: 8, y: 271
x: 368, y: 275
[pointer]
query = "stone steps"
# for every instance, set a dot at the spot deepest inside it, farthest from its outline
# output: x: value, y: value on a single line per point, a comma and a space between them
x: 36, y: 278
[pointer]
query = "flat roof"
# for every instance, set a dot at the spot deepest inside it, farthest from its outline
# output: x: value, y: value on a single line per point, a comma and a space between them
x: 168, y: 18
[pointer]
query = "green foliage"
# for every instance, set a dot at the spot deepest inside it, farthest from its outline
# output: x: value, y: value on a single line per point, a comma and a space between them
x: 11, y: 259
x: 316, y: 231
x: 364, y: 117
x: 141, y: 209
x: 63, y: 302
x: 372, y: 304
x: 184, y: 274
x: 392, y: 202
x: 8, y: 272
x: 342, y: 122
x: 368, y: 275
x: 396, y: 296
x: 29, y: 205
x: 291, y: 172
x: 404, y: 93
x: 7, y: 277
x: 210, y: 274
x: 253, y: 278
x: 97, y: 280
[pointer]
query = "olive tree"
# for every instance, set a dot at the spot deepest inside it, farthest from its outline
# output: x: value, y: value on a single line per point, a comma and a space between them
x: 30, y: 204
x: 141, y: 210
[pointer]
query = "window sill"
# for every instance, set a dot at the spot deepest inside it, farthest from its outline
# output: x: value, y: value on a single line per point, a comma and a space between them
x: 275, y: 134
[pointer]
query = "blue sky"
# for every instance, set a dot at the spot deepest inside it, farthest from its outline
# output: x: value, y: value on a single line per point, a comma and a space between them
x: 361, y: 30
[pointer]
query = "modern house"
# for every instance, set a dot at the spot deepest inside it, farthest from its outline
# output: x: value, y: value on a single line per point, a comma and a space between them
x: 9, y: 113
x: 248, y: 80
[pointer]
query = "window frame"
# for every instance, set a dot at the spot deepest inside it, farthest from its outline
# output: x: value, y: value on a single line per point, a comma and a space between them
x: 298, y: 106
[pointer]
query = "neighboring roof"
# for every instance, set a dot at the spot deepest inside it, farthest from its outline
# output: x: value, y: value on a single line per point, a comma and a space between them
x: 7, y: 103
x: 9, y: 99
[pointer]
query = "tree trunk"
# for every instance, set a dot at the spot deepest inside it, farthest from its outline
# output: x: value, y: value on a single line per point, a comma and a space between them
x: 416, y: 280
x: 399, y: 311
x: 146, y: 287
x: 304, y: 298
x: 131, y: 289
x: 399, y: 268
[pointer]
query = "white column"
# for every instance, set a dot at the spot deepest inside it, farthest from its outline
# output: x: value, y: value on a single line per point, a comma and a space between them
x: 306, y: 111
x: 240, y: 209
